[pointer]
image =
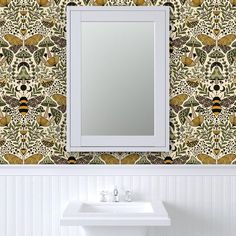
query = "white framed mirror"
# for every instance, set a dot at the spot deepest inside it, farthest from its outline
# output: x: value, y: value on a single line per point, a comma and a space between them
x: 118, y: 79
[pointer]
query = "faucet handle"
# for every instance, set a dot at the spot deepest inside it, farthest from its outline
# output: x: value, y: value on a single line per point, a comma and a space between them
x: 128, y: 196
x: 103, y: 196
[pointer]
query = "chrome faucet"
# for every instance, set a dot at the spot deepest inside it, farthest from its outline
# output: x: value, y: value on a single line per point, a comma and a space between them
x: 115, y: 195
x: 103, y: 196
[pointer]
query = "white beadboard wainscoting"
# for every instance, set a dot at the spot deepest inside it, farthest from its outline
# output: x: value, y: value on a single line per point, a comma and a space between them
x: 200, y: 200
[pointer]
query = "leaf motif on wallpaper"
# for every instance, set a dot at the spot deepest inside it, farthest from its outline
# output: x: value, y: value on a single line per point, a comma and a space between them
x: 210, y: 43
x: 57, y: 115
x: 154, y: 2
x: 182, y: 2
x: 2, y: 141
x: 7, y: 55
x: 3, y: 43
x: 30, y: 43
x: 183, y: 114
x: 57, y: 1
x: 2, y: 22
x: 38, y: 55
x: 226, y: 159
x: 86, y: 2
x: 2, y: 161
x: 13, y: 159
x: 201, y: 55
x: 231, y: 55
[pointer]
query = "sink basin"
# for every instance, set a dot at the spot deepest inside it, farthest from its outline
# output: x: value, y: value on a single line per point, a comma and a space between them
x: 115, y: 214
x: 116, y: 208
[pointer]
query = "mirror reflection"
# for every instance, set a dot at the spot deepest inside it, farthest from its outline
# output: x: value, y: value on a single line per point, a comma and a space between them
x: 117, y: 78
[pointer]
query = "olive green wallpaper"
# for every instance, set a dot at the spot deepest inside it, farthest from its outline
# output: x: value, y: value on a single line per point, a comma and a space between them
x: 33, y: 83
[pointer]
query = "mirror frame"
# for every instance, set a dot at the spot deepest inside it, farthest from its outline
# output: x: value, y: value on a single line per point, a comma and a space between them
x: 160, y: 18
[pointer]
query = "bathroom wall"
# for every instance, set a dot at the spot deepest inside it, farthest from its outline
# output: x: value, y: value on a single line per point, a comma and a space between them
x: 200, y: 201
x: 33, y: 82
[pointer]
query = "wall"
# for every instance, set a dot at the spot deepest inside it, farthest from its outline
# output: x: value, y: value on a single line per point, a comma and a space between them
x: 33, y: 82
x: 200, y: 201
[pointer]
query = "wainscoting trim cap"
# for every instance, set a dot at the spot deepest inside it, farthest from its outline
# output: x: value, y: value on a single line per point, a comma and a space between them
x: 118, y: 170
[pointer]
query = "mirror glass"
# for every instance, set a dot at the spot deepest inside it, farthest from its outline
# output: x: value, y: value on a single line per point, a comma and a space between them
x: 117, y: 78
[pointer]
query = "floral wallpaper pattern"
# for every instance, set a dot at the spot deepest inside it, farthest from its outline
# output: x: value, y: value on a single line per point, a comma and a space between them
x: 33, y: 83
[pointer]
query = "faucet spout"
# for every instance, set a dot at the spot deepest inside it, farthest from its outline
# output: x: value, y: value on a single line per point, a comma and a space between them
x: 116, y: 195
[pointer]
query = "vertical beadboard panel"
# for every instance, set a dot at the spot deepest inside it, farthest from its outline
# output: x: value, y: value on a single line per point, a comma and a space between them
x: 63, y: 180
x: 197, y: 205
x: 56, y: 203
x: 233, y: 206
x: 11, y: 205
x: 3, y: 208
x: 137, y: 194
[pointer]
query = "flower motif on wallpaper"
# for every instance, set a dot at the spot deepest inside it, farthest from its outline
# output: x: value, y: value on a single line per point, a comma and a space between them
x: 33, y: 83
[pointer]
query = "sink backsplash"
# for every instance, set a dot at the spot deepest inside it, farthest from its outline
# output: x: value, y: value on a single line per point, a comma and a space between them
x: 33, y: 84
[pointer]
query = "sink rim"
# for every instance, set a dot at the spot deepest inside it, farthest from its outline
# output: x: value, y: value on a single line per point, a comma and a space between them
x: 71, y: 216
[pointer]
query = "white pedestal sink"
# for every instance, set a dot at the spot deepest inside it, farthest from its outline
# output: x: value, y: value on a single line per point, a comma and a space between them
x: 115, y: 218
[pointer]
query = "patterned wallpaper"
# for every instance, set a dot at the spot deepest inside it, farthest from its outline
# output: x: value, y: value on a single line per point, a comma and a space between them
x: 33, y: 82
